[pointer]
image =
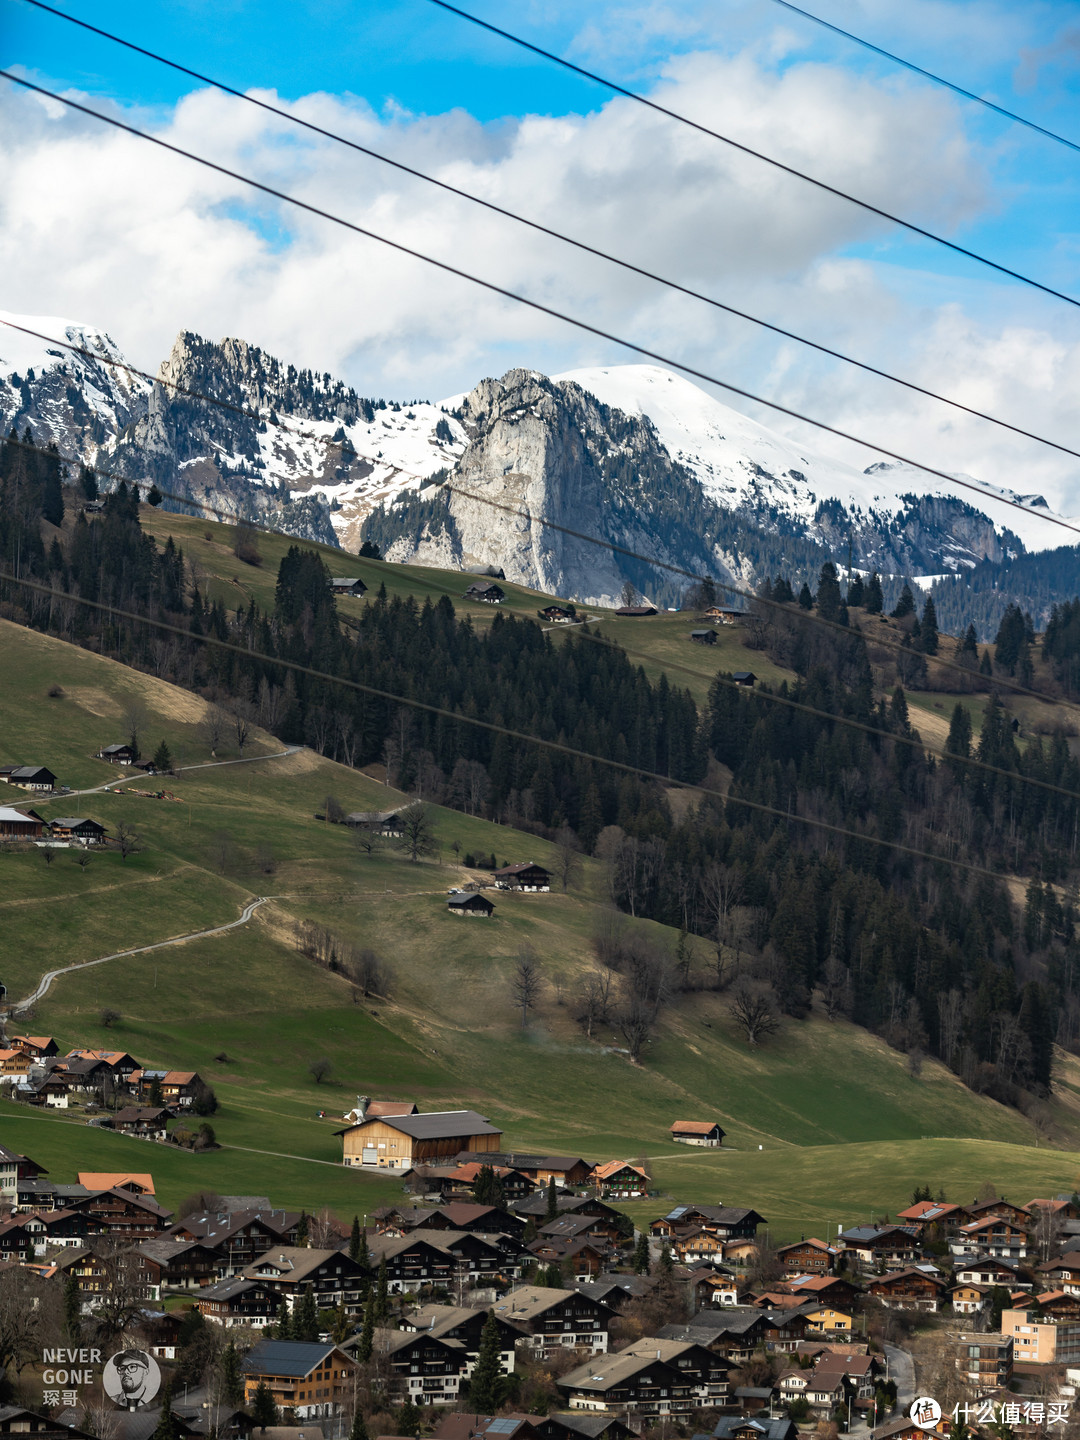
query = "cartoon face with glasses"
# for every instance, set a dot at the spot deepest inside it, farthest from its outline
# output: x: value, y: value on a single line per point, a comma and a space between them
x: 131, y: 1378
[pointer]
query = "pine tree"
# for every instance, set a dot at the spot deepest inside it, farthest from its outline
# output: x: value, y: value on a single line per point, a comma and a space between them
x: 551, y: 1209
x: 382, y: 1294
x: 355, y: 1237
x: 232, y: 1383
x: 856, y: 594
x: 806, y: 600
x: 72, y: 1309
x: 367, y: 1334
x: 283, y: 1327
x: 167, y: 1427
x: 642, y: 1262
x: 829, y: 600
x: 905, y: 605
x: 484, y: 1386
x: 263, y: 1410
x: 985, y: 664
x: 410, y: 1419
x: 155, y: 1097
x: 959, y: 741
x: 928, y: 633
x: 359, y: 1430
x: 969, y: 650
x: 875, y: 599
x: 306, y: 1318
x: 667, y: 1264
x: 302, y: 1230
x: 88, y: 483
x: 552, y: 1276
x: 340, y: 1329
x: 154, y: 496
x: 163, y: 761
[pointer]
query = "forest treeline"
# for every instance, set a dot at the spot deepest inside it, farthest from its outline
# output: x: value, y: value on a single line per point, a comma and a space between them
x: 935, y: 958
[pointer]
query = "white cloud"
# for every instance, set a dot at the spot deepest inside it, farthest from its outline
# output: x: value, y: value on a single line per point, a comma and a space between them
x: 115, y: 233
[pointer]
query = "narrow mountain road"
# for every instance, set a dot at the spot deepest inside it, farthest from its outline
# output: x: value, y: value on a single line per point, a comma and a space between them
x: 108, y: 785
x: 50, y: 975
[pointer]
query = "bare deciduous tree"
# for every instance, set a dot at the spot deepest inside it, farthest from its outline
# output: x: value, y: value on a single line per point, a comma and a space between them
x: 595, y: 999
x: 527, y: 981
x: 417, y: 831
x: 320, y: 1069
x: 836, y: 989
x: 241, y: 724
x: 753, y: 1007
x: 213, y: 726
x: 127, y: 842
x: 722, y: 888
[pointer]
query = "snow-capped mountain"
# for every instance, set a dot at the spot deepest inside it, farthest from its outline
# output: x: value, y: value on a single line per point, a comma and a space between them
x: 632, y: 455
x: 743, y: 465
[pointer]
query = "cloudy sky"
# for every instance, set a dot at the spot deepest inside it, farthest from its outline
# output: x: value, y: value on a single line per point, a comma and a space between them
x: 102, y: 228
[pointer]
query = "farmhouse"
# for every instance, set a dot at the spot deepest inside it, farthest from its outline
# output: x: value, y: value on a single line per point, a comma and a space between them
x: 29, y: 777
x: 565, y: 1170
x: 726, y: 1222
x: 398, y: 1142
x: 619, y: 1180
x: 14, y: 825
x: 40, y: 1046
x: 697, y: 1132
x: 635, y: 612
x: 352, y: 585
x: 310, y: 1379
x: 117, y: 754
x: 76, y: 829
x: 383, y: 822
x: 724, y: 615
x: 469, y: 902
x: 893, y: 1246
x: 557, y: 615
x: 524, y: 876
x: 487, y: 591
x: 804, y: 1257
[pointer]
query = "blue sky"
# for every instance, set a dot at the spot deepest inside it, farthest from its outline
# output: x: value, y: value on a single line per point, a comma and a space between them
x: 159, y: 249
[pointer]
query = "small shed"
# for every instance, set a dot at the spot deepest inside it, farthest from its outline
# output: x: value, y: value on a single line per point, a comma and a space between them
x: 487, y: 591
x: 348, y: 585
x: 525, y: 876
x: 744, y: 677
x: 469, y: 902
x: 703, y: 637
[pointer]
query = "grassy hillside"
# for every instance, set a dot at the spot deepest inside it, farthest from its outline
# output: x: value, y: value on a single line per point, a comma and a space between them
x: 823, y: 1125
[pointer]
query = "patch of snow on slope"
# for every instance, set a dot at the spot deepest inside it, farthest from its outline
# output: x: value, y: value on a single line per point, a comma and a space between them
x: 740, y: 463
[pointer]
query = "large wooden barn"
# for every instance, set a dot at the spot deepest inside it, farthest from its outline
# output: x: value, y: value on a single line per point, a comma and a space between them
x: 398, y: 1142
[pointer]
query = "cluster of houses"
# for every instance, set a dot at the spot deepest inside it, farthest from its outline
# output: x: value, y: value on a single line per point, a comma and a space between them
x: 143, y: 1101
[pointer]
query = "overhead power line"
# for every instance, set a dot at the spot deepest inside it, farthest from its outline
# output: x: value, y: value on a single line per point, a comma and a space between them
x: 673, y: 665
x: 926, y: 74
x: 552, y: 233
x: 884, y: 641
x: 760, y: 807
x: 640, y: 99
x: 525, y: 300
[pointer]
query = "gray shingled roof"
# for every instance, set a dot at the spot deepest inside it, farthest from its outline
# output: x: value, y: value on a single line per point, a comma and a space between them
x: 284, y: 1357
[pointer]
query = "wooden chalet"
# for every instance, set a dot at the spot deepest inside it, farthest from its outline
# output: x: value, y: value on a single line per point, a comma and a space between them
x: 557, y: 615
x: 746, y: 678
x: 348, y: 585
x: 991, y: 1235
x: 566, y: 1170
x: 39, y: 1046
x: 723, y: 615
x: 523, y: 876
x: 118, y: 1063
x: 424, y: 1368
x: 145, y: 1122
x: 388, y: 823
x: 935, y: 1218
x: 457, y: 1182
x: 654, y: 1376
x: 705, y: 1133
x: 182, y: 1264
x: 714, y: 1285
x: 117, y: 754
x: 619, y: 1180
x: 238, y: 1301
x: 703, y: 637
x: 1001, y: 1209
x: 465, y: 1325
x: 580, y: 1425
x: 331, y: 1276
x: 807, y: 1257
x: 309, y: 1379
x: 726, y: 1222
x: 239, y: 1237
x: 76, y: 830
x: 891, y: 1246
x: 578, y: 1259
x: 552, y: 1319
x: 123, y: 1215
x: 469, y: 902
x: 426, y: 1258
x: 14, y: 1420
x: 909, y: 1289
x: 404, y: 1141
x: 486, y: 591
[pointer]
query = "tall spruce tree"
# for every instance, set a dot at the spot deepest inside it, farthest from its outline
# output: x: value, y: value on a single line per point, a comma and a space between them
x: 283, y: 1325
x: 367, y: 1334
x: 358, y: 1430
x: 551, y: 1208
x: 306, y: 1319
x: 354, y: 1239
x: 642, y: 1261
x: 232, y: 1382
x: 382, y: 1294
x: 875, y: 598
x: 484, y: 1387
x: 263, y: 1410
x: 928, y: 631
